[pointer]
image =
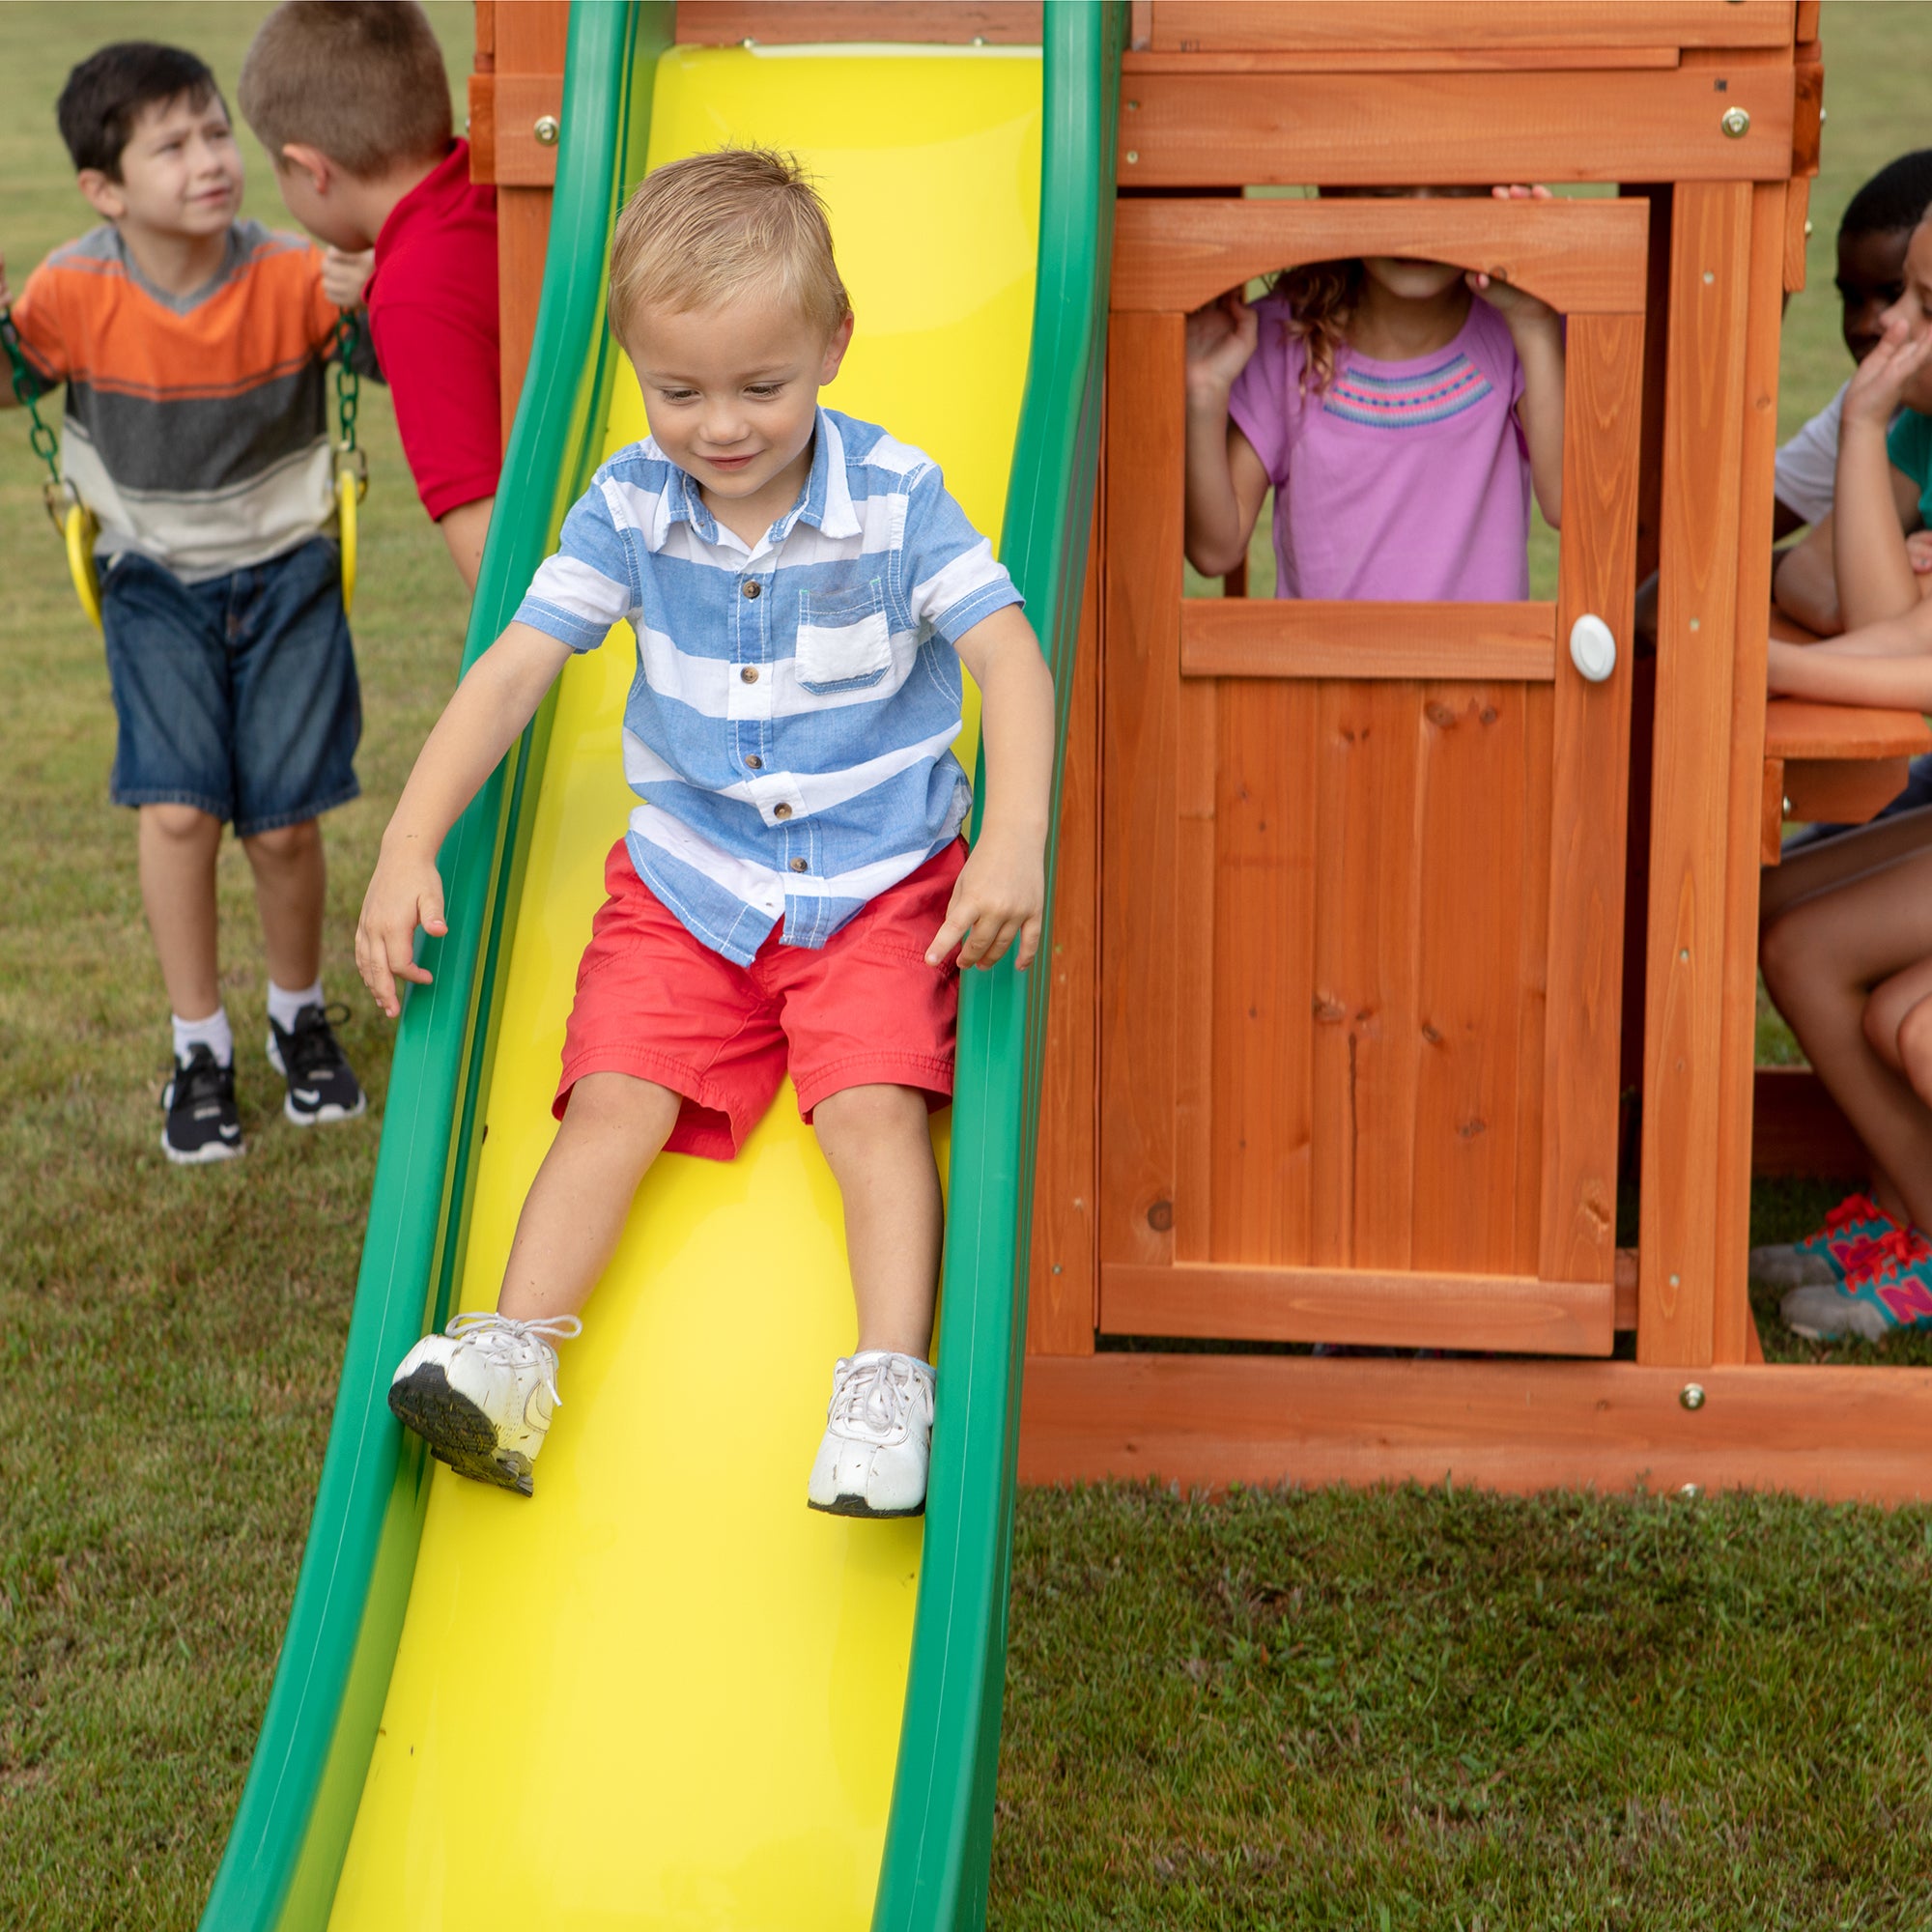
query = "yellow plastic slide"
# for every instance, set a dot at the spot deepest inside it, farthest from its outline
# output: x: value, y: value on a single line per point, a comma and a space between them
x: 663, y: 1693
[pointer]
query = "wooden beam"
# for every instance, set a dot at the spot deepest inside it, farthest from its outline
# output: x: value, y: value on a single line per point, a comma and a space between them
x: 1286, y: 637
x: 1205, y: 26
x: 1799, y: 1130
x: 1836, y: 1434
x: 1711, y: 244
x: 1402, y: 1310
x: 1403, y: 60
x: 1795, y: 728
x: 1186, y: 130
x: 1581, y: 257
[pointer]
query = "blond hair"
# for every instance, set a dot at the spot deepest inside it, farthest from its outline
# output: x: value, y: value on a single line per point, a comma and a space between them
x: 362, y: 80
x: 702, y: 230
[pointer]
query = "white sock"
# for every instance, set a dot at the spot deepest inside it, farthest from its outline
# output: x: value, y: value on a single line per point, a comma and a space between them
x: 213, y: 1033
x: 284, y: 1006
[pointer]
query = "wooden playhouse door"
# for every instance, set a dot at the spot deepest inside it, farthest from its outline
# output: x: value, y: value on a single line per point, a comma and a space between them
x: 1362, y: 863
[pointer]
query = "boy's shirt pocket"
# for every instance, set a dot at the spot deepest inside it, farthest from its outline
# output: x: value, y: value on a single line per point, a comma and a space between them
x: 844, y: 641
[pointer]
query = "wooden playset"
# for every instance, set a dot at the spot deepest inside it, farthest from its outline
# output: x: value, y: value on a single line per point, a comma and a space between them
x: 1389, y: 944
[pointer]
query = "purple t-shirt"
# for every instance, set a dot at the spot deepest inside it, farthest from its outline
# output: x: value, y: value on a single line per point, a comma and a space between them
x: 1408, y: 481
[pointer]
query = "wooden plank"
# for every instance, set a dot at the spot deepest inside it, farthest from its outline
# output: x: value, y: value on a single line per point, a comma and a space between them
x: 1286, y: 637
x: 1423, y: 1309
x: 1193, y: 943
x: 1770, y: 815
x: 1208, y: 26
x: 1805, y: 26
x: 1800, y: 1129
x: 1697, y: 631
x: 1262, y: 989
x: 1063, y: 1300
x: 770, y: 23
x: 1392, y: 129
x: 1474, y: 835
x: 1796, y: 728
x: 1140, y: 710
x: 1532, y: 973
x: 1841, y: 792
x: 1732, y: 1330
x: 1807, y: 118
x: 518, y: 101
x: 481, y: 127
x: 1140, y: 23
x: 1402, y: 60
x: 1623, y: 1280
x: 1796, y: 232
x: 1835, y: 1434
x: 1582, y: 256
x: 532, y: 36
x: 1603, y: 417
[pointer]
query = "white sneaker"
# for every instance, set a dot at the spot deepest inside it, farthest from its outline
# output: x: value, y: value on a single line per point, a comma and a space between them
x: 481, y: 1393
x: 877, y: 1438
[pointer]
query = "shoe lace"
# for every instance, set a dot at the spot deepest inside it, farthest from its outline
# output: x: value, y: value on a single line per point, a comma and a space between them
x: 1853, y: 1208
x: 875, y: 1399
x: 1891, y: 1253
x: 518, y: 1345
x: 202, y: 1078
x: 313, y: 1047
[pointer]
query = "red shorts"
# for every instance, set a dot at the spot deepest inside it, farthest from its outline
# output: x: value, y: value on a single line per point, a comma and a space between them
x: 864, y: 1010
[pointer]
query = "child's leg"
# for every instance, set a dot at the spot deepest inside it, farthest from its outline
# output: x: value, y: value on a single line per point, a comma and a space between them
x: 1914, y: 1048
x: 880, y: 1153
x: 1820, y: 959
x: 1837, y: 862
x: 291, y: 879
x: 178, y: 846
x: 615, y: 1127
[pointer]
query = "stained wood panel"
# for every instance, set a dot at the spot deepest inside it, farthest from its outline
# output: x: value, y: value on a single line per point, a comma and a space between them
x: 1711, y: 250
x: 1583, y: 257
x: 1281, y: 637
x: 1186, y: 130
x: 1063, y: 1300
x: 1603, y: 417
x: 1139, y: 747
x: 727, y: 23
x: 1517, y: 1313
x: 1200, y: 26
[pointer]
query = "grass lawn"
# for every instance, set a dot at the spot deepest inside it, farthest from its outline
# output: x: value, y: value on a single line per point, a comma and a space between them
x: 1400, y: 1709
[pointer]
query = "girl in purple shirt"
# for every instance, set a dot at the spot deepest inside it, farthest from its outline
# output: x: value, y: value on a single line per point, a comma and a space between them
x: 1401, y: 409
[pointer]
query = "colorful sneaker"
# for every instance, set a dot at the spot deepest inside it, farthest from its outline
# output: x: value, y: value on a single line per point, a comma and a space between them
x: 310, y: 1059
x: 481, y: 1394
x: 202, y: 1123
x: 1849, y: 1237
x: 1890, y: 1290
x: 877, y: 1435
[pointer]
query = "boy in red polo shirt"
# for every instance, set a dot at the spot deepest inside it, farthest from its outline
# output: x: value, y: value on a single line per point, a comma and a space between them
x: 352, y: 100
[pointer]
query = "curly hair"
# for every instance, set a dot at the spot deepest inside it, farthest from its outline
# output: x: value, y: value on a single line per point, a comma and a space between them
x: 1320, y: 296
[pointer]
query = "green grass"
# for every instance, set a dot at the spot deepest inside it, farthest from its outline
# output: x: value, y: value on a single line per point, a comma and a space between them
x: 1402, y: 1709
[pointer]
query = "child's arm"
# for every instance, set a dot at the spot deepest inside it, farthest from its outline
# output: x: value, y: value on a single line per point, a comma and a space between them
x: 491, y: 705
x: 1887, y: 664
x: 1537, y: 331
x: 1226, y: 480
x: 1874, y: 575
x: 1804, y: 585
x: 1000, y: 893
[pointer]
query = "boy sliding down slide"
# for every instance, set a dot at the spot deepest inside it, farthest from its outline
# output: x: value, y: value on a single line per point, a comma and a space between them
x: 793, y: 884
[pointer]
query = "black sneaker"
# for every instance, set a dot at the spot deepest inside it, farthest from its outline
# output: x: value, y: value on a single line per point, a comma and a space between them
x: 202, y: 1121
x: 310, y: 1059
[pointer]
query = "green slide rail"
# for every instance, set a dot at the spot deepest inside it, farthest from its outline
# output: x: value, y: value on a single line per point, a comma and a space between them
x: 297, y: 1807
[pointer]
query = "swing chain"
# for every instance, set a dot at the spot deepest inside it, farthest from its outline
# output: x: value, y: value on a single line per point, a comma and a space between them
x: 348, y: 398
x: 56, y: 493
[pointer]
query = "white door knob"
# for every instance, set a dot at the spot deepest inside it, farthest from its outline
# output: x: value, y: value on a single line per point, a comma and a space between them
x: 1592, y: 648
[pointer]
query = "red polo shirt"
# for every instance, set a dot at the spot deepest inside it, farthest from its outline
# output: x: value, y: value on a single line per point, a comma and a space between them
x: 433, y: 317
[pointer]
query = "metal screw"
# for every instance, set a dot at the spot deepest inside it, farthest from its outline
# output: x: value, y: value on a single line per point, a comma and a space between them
x: 1697, y: 623
x: 1055, y: 1267
x: 1676, y: 1281
x: 1736, y: 123
x: 1133, y: 154
x: 1683, y: 954
x: 546, y: 131
x: 1807, y: 231
x: 1708, y: 276
x: 1689, y: 1493
x: 1691, y: 1396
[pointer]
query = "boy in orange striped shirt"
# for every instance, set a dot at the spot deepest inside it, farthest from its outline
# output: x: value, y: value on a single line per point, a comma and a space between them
x: 193, y: 348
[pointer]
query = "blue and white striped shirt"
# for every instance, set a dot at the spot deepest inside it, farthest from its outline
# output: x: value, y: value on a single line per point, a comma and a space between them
x: 789, y: 729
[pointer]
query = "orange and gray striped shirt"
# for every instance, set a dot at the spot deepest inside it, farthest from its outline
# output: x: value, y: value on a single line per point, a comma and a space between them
x: 196, y: 426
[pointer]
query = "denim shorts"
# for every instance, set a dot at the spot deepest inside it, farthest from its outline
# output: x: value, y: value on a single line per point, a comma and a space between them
x: 237, y: 696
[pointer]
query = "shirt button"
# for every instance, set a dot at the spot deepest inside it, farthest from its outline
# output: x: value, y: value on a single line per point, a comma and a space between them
x: 752, y: 589
x: 798, y: 865
x: 781, y: 812
x: 754, y: 763
x: 750, y: 675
